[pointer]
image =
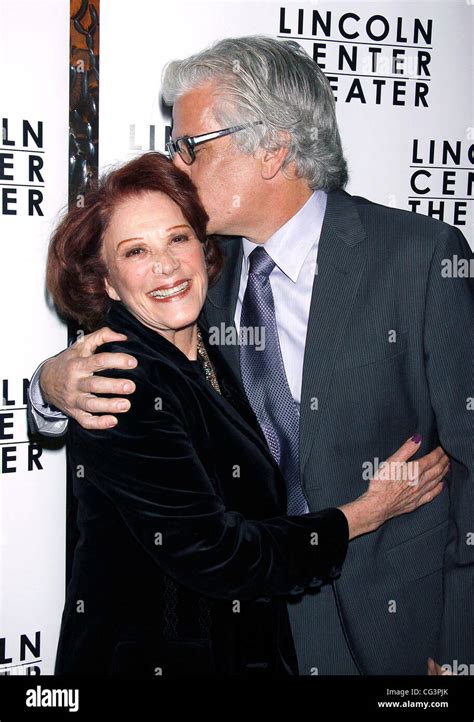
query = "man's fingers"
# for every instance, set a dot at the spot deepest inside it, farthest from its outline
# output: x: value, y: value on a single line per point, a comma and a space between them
x: 105, y: 385
x: 108, y: 360
x: 407, y: 450
x: 95, y: 405
x: 434, y: 669
x: 99, y: 337
x: 89, y: 421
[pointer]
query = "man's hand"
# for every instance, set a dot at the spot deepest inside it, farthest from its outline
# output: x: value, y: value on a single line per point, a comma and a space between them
x: 435, y: 670
x: 68, y: 382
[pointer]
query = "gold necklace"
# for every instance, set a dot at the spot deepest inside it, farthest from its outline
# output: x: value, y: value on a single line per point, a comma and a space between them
x: 206, y: 362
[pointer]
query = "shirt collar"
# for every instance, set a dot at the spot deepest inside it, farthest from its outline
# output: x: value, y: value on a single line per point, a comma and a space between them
x: 300, y: 234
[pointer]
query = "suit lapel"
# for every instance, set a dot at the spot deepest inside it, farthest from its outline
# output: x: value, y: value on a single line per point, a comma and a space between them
x: 341, y: 262
x: 221, y: 301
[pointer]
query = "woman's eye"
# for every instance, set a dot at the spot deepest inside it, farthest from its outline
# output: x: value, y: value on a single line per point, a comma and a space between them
x: 134, y: 252
x: 180, y: 239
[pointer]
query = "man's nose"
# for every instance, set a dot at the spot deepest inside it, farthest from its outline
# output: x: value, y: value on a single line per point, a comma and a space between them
x: 179, y: 163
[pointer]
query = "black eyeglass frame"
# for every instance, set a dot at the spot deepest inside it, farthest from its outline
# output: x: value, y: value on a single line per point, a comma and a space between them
x: 191, y: 142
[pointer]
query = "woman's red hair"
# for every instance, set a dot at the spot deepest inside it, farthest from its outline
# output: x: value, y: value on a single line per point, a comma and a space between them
x: 76, y: 272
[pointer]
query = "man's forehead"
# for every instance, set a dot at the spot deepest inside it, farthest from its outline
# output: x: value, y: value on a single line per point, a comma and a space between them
x: 193, y: 112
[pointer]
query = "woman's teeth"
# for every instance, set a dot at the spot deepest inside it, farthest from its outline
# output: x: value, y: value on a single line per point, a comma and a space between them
x: 165, y: 292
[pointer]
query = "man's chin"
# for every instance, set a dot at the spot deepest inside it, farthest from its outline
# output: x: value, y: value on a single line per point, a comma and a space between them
x: 218, y: 229
x: 211, y: 231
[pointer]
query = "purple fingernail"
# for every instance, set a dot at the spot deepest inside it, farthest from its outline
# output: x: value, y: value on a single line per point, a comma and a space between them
x: 416, y: 439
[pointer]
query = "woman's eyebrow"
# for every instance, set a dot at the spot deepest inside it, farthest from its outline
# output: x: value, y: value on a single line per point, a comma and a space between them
x: 183, y: 225
x: 141, y: 238
x: 135, y: 238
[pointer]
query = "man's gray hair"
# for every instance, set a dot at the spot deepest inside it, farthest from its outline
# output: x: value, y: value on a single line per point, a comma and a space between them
x: 277, y: 83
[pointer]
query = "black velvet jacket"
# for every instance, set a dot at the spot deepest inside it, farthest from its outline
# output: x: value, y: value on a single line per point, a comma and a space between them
x: 185, y: 556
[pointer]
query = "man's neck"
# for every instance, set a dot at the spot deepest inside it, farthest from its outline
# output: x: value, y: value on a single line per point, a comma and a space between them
x: 279, y: 209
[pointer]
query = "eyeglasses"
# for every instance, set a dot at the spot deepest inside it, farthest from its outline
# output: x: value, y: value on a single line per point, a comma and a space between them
x: 185, y: 145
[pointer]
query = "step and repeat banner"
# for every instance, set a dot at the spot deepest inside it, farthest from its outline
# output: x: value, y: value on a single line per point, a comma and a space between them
x: 34, y: 90
x: 402, y: 75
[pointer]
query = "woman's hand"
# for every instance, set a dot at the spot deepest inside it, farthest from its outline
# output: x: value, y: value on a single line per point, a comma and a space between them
x: 398, y: 487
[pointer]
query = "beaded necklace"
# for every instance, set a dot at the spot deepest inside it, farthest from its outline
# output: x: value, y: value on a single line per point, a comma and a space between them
x: 206, y: 362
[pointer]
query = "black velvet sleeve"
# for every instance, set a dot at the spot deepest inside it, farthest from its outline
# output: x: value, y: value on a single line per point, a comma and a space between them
x: 148, y: 467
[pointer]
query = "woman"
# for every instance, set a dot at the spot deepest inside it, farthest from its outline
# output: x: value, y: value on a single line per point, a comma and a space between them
x: 185, y: 555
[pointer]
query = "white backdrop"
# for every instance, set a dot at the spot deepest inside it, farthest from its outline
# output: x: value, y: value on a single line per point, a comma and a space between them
x: 378, y: 133
x: 34, y: 56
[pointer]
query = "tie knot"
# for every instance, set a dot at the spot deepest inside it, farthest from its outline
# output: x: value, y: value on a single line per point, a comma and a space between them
x: 260, y: 262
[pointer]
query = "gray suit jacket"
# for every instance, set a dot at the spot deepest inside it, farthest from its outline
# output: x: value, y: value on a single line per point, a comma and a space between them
x: 389, y: 353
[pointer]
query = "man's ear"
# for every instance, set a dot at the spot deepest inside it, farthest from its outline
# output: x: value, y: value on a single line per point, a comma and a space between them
x: 111, y: 292
x: 271, y: 161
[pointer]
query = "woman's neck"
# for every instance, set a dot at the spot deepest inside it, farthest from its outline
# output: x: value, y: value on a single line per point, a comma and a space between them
x: 186, y: 340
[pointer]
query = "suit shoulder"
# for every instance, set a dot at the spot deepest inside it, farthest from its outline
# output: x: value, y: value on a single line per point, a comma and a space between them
x: 397, y: 224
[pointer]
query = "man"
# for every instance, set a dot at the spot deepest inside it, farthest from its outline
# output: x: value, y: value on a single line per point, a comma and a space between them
x: 366, y: 341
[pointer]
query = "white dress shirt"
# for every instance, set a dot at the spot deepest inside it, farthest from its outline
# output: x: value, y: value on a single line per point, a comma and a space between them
x: 294, y: 248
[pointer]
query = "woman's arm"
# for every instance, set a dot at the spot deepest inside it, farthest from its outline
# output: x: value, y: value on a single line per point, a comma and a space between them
x: 148, y: 467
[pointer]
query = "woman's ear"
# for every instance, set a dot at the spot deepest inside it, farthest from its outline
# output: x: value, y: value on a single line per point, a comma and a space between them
x: 111, y: 292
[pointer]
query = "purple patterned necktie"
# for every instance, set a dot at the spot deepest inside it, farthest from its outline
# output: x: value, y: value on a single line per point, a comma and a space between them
x: 264, y: 377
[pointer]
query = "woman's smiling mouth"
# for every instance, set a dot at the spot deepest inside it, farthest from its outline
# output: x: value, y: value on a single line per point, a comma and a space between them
x: 171, y: 293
